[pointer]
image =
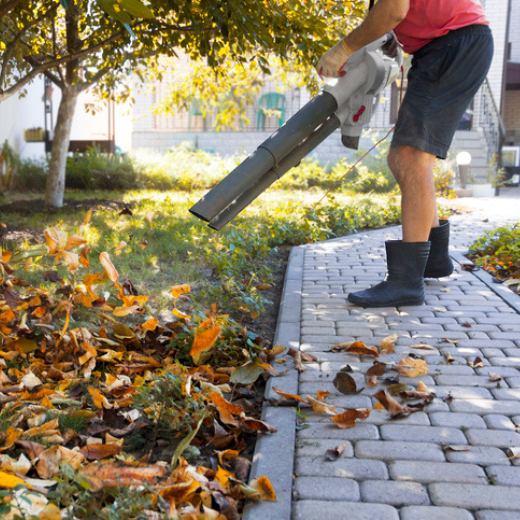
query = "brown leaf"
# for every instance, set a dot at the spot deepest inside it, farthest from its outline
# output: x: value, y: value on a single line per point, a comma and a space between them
x: 387, y: 344
x: 289, y: 396
x: 74, y: 240
x: 448, y: 357
x: 495, y: 377
x: 345, y: 383
x: 413, y: 367
x: 358, y: 347
x: 111, y: 271
x: 339, y: 347
x: 447, y: 447
x: 321, y: 394
x: 390, y: 404
x: 100, y: 451
x: 220, y: 402
x: 113, y: 474
x: 335, y: 453
x: 257, y: 425
x: 477, y: 363
x: 320, y: 407
x: 264, y: 488
x: 377, y: 369
x: 414, y: 394
x: 348, y: 419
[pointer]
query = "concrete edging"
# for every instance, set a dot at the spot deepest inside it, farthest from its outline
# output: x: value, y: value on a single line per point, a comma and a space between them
x: 274, y: 454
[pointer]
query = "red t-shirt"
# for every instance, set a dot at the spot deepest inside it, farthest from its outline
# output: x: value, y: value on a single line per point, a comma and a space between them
x: 429, y: 19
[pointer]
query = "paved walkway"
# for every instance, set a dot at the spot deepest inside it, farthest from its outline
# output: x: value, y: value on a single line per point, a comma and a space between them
x: 393, y: 469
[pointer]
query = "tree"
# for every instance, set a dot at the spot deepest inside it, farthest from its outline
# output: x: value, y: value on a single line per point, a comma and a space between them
x: 81, y: 43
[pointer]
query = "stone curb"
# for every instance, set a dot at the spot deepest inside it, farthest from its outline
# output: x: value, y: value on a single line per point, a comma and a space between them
x: 274, y: 454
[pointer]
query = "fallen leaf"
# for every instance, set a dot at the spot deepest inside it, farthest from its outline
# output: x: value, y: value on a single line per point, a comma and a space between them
x: 111, y: 271
x: 514, y: 453
x: 447, y: 447
x: 358, y: 347
x: 390, y: 404
x: 413, y: 367
x: 10, y: 481
x: 345, y: 383
x: 264, y: 488
x: 477, y: 363
x: 220, y: 402
x: 100, y: 451
x: 320, y: 407
x: 289, y: 396
x: 421, y: 387
x: 387, y: 344
x: 339, y: 347
x: 321, y: 394
x: 335, y: 453
x: 348, y: 418
x: 203, y: 342
x: 450, y: 340
x: 377, y: 369
x: 177, y: 290
x: 448, y: 357
x: 247, y: 374
x: 495, y: 377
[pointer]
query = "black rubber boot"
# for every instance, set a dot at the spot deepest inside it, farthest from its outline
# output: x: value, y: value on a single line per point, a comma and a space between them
x: 404, y: 283
x: 439, y: 262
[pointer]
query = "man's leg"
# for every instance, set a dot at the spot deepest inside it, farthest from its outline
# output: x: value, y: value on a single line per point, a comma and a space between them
x: 413, y: 171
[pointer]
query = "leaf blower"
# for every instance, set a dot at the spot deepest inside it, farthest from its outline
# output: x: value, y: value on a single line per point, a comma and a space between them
x: 347, y: 104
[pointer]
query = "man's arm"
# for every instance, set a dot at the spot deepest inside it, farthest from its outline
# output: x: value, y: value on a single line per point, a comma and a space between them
x: 383, y: 17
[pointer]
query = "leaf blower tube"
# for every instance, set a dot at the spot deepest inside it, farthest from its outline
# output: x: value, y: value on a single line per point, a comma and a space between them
x: 334, y: 107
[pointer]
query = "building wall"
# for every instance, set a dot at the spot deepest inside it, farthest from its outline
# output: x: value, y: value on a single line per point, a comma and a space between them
x: 514, y: 31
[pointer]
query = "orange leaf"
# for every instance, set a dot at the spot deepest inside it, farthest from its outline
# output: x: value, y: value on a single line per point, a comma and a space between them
x: 177, y: 290
x: 11, y: 436
x: 204, y: 341
x: 74, y: 240
x: 112, y: 474
x: 87, y: 217
x: 390, y: 404
x: 289, y: 396
x: 104, y: 258
x: 223, y: 477
x: 150, y: 324
x: 56, y: 240
x: 120, y: 246
x: 264, y: 488
x: 100, y: 451
x: 100, y: 401
x: 387, y: 344
x: 348, y: 419
x: 320, y: 407
x: 95, y: 279
x: 71, y: 259
x: 321, y: 394
x: 220, y: 402
x: 413, y: 367
x: 358, y: 347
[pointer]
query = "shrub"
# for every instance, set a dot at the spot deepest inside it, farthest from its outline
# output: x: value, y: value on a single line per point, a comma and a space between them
x: 498, y: 251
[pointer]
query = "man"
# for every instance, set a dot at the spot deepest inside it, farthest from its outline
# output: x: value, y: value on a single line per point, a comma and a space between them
x: 452, y: 48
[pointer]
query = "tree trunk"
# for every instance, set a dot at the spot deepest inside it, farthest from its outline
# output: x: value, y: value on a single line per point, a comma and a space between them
x: 55, y: 187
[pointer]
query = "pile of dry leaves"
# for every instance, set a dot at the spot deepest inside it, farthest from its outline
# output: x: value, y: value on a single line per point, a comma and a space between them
x: 90, y: 412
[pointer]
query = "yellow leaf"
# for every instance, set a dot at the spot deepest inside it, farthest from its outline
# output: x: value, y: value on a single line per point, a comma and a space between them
x: 87, y: 217
x: 413, y: 367
x: 11, y: 436
x: 180, y: 314
x: 74, y: 240
x: 203, y: 342
x: 387, y: 344
x: 150, y: 324
x: 10, y: 481
x: 120, y: 246
x: 100, y: 401
x: 56, y: 240
x: 177, y: 290
x: 109, y: 267
x: 71, y: 259
x: 264, y: 488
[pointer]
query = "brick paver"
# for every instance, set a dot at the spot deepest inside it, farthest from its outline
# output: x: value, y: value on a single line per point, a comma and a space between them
x: 447, y: 461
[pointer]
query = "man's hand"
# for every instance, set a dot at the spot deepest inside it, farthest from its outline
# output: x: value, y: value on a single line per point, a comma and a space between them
x: 332, y: 61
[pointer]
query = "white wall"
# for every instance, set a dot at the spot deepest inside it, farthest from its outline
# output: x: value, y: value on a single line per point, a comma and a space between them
x: 514, y: 31
x: 17, y: 114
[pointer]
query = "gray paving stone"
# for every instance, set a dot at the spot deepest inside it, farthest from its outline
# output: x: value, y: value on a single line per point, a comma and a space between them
x: 382, y: 417
x: 506, y: 393
x: 497, y: 438
x: 323, y: 488
x: 393, y: 450
x: 331, y: 431
x: 472, y: 496
x: 461, y: 392
x: 314, y: 509
x: 503, y: 371
x: 318, y: 448
x: 481, y: 455
x: 394, y: 492
x: 446, y: 370
x: 505, y: 361
x: 504, y: 475
x: 428, y: 472
x: 359, y: 469
x: 499, y: 422
x: 434, y: 513
x: 457, y: 420
x: 513, y: 382
x: 480, y: 381
x: 496, y: 515
x: 485, y: 406
x: 397, y: 432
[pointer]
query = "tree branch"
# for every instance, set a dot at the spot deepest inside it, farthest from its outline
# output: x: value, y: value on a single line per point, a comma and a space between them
x: 9, y: 6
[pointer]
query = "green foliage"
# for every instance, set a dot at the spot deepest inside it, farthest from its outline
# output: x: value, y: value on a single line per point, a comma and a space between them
x: 443, y: 177
x: 100, y: 171
x: 31, y: 175
x: 498, y: 251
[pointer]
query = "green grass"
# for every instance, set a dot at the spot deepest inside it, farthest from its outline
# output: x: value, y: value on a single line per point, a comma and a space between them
x: 222, y: 267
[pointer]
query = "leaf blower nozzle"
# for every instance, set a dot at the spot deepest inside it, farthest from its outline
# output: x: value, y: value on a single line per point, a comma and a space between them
x: 348, y: 104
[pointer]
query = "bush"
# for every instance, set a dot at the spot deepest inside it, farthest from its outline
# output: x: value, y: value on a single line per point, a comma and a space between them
x: 100, y: 171
x: 498, y: 251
